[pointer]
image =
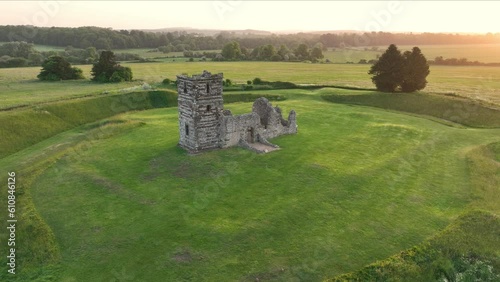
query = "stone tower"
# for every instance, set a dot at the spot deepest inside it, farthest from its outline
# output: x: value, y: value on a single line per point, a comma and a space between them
x: 200, y: 108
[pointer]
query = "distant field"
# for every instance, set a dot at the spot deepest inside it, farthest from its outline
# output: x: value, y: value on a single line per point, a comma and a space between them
x: 145, y: 53
x: 45, y: 48
x: 486, y: 53
x: 19, y: 86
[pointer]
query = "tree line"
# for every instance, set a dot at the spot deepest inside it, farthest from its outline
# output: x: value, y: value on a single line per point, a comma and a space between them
x: 106, y: 38
x: 394, y: 71
x: 233, y: 52
x: 105, y: 69
x: 440, y: 60
x: 22, y: 54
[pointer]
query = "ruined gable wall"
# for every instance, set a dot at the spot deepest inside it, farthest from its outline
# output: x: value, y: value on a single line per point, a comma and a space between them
x: 235, y: 128
x: 272, y: 120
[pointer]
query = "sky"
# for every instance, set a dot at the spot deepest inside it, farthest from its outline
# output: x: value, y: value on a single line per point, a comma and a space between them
x: 391, y: 16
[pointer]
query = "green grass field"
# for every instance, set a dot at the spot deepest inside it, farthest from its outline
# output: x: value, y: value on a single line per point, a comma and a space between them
x: 122, y: 201
x: 104, y: 193
x: 19, y: 86
x: 485, y: 53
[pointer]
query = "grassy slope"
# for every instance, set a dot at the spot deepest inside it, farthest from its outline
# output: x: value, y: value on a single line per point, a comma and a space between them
x: 467, y: 250
x: 329, y: 210
x: 22, y: 128
x: 25, y: 127
x: 452, y: 109
x: 468, y: 247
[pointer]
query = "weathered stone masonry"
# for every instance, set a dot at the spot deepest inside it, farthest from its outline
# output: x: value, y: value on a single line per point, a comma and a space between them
x: 205, y: 125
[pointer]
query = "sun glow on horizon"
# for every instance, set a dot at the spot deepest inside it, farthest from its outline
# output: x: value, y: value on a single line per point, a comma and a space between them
x: 389, y: 16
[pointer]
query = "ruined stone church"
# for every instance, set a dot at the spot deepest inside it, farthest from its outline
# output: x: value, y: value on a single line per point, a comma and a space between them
x: 205, y: 125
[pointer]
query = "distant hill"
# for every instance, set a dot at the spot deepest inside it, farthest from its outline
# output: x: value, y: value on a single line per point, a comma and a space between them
x: 240, y: 32
x: 179, y: 39
x: 209, y: 32
x: 337, y: 32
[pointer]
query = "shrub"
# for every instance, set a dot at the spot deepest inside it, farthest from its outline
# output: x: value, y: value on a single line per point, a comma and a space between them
x: 57, y: 68
x: 276, y: 58
x: 282, y: 85
x: 257, y: 81
x: 121, y: 74
x: 108, y: 70
x: 167, y: 81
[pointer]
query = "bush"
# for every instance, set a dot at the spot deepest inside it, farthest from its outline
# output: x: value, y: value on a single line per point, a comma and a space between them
x: 166, y: 81
x: 77, y: 73
x: 108, y: 70
x: 9, y: 62
x: 282, y: 84
x: 121, y: 74
x: 57, y: 68
x: 276, y: 58
x: 249, y: 82
x: 257, y: 81
x: 116, y: 77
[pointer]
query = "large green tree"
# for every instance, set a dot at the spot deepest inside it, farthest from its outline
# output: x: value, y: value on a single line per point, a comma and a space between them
x: 267, y: 52
x: 57, y: 68
x: 107, y: 69
x: 395, y: 71
x: 231, y: 51
x: 302, y: 52
x: 388, y: 70
x: 316, y: 53
x: 415, y: 72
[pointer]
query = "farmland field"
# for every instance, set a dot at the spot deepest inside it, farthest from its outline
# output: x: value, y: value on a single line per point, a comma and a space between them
x: 19, y: 86
x: 116, y: 199
x: 486, y: 53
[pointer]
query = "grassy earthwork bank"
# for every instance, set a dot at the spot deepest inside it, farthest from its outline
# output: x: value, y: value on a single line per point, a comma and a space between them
x: 374, y: 187
x: 116, y: 199
x: 443, y: 107
x: 28, y: 126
